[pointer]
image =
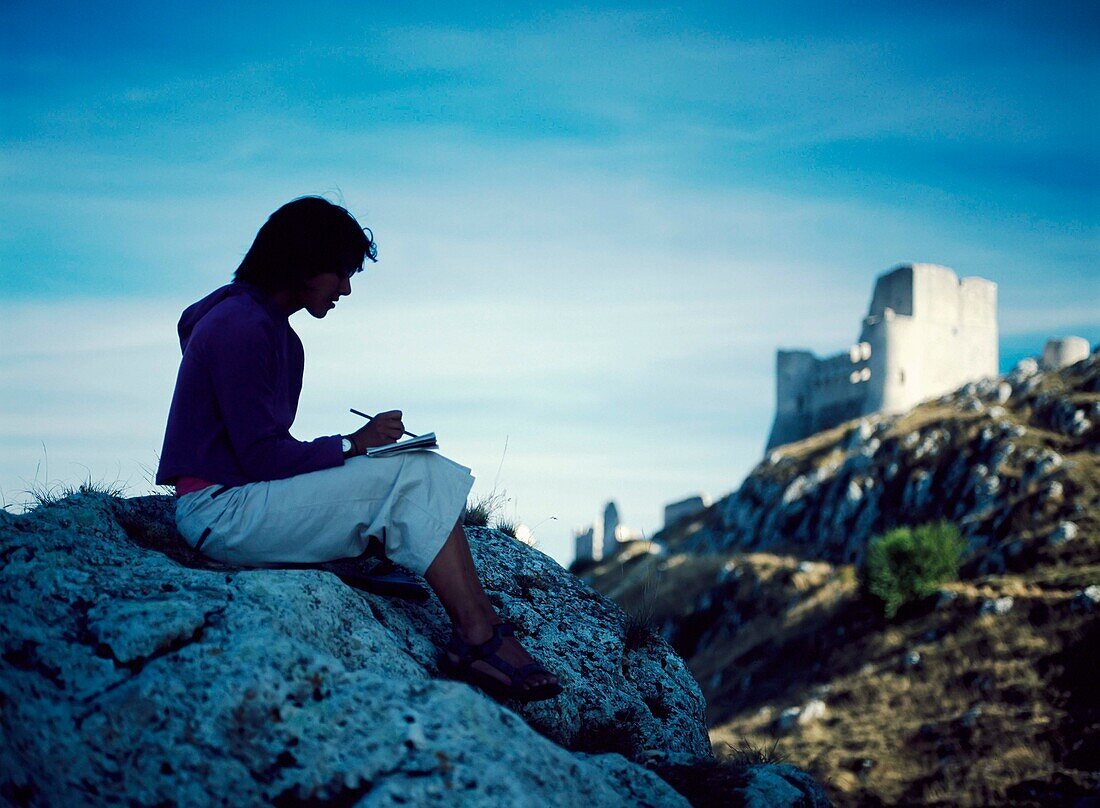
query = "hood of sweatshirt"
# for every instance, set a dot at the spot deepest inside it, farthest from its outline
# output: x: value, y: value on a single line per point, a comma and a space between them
x: 196, y: 311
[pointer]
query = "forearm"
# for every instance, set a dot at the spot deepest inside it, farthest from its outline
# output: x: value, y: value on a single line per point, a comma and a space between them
x: 277, y: 457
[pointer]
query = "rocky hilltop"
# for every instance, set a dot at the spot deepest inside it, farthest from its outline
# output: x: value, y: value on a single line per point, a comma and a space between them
x: 134, y: 671
x: 1011, y: 460
x: 980, y: 695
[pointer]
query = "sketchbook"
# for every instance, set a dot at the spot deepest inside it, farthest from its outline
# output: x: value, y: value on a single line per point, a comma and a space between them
x: 425, y: 441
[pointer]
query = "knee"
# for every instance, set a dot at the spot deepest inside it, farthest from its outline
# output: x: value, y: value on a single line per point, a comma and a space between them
x: 427, y: 464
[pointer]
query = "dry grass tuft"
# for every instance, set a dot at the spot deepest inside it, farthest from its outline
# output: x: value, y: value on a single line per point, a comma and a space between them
x: 747, y: 753
x: 640, y: 628
x: 481, y: 510
x: 47, y: 495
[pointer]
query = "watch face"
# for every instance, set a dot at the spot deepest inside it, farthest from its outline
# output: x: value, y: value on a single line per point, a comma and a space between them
x: 346, y: 445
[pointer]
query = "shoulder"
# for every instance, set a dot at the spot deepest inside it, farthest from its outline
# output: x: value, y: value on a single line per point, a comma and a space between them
x: 237, y: 320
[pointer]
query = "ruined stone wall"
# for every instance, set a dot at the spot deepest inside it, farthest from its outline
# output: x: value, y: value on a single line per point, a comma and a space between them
x: 584, y: 545
x: 610, y: 530
x: 954, y: 335
x: 893, y: 291
x: 926, y: 333
x: 794, y: 373
x: 676, y: 511
x: 1063, y: 352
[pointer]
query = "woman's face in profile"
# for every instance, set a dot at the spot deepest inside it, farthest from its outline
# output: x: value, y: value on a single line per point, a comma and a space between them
x: 321, y: 292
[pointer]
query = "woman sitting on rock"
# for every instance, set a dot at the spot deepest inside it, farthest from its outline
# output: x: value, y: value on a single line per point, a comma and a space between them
x: 250, y: 494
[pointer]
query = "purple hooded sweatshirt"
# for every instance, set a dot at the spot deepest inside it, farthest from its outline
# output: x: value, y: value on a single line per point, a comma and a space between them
x: 236, y: 395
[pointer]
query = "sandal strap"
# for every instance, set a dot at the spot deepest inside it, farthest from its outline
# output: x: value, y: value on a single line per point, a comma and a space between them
x: 501, y: 665
x: 459, y: 648
x: 528, y: 670
x: 486, y: 651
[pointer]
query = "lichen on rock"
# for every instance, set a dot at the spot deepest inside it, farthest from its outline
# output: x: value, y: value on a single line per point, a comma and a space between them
x: 133, y: 670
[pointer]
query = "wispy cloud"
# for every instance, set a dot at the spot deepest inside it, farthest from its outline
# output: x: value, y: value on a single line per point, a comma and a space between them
x: 596, y: 226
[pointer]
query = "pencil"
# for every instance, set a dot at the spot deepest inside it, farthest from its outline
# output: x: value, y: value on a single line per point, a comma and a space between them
x: 371, y: 418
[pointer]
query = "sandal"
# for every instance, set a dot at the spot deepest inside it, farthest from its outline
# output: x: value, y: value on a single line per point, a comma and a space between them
x: 514, y: 689
x: 379, y: 576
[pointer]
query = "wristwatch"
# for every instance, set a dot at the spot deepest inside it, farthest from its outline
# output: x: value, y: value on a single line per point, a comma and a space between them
x: 348, y: 447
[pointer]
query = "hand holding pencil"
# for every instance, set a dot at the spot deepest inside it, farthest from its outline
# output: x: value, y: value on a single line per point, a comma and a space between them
x: 382, y: 429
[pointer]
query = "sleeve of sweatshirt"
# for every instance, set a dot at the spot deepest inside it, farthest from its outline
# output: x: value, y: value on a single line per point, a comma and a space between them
x: 244, y: 372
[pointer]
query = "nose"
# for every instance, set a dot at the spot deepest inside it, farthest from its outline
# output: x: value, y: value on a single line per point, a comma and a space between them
x: 345, y: 285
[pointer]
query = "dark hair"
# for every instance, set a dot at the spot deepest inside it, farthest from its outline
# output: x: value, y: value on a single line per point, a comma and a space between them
x: 303, y: 238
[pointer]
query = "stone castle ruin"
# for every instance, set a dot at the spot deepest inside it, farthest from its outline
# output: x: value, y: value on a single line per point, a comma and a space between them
x: 1061, y: 352
x: 603, y: 539
x: 685, y: 508
x: 600, y: 540
x: 927, y: 332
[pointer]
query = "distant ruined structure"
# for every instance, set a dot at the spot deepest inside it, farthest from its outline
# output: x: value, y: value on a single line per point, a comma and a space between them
x: 602, y: 539
x: 585, y: 547
x: 685, y: 508
x: 610, y: 530
x: 927, y: 333
x: 1062, y: 352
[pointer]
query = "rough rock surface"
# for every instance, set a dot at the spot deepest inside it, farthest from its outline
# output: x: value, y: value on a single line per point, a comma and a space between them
x: 750, y: 785
x: 939, y: 705
x: 782, y: 784
x: 134, y: 671
x: 1013, y: 468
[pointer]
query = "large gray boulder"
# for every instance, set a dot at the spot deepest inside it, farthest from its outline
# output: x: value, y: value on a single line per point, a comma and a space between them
x: 134, y: 671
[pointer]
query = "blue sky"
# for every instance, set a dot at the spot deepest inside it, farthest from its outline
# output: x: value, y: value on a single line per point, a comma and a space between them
x: 596, y: 224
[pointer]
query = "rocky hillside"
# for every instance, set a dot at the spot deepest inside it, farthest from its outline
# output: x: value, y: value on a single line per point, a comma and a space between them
x: 134, y: 671
x: 1012, y: 461
x: 980, y: 695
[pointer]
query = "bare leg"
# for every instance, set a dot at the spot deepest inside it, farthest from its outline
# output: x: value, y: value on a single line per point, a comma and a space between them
x: 453, y: 577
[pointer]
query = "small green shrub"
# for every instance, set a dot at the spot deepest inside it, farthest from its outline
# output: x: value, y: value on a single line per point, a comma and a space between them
x: 909, y: 563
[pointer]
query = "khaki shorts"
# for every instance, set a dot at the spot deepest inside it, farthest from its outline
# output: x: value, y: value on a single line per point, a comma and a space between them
x: 410, y: 502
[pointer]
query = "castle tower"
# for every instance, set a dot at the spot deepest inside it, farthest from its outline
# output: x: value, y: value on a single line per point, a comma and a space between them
x: 926, y: 333
x: 583, y: 542
x: 610, y: 530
